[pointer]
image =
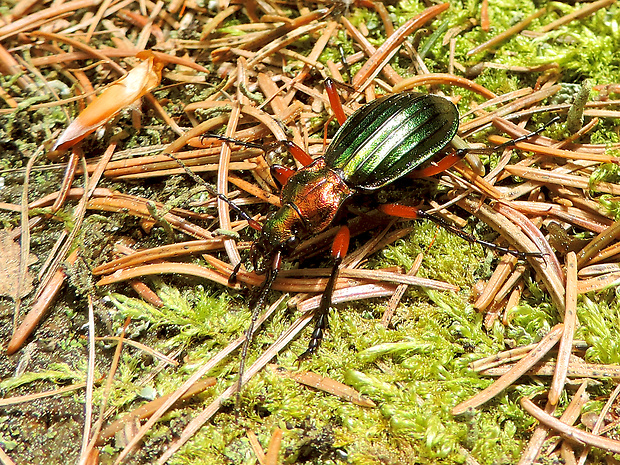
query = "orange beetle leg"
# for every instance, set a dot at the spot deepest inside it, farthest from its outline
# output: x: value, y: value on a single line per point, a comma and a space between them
x: 442, y: 165
x: 281, y: 174
x: 334, y: 101
x: 300, y: 155
x: 341, y: 243
x: 401, y: 211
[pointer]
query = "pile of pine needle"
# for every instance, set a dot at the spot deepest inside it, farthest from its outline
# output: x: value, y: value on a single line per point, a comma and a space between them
x: 122, y: 327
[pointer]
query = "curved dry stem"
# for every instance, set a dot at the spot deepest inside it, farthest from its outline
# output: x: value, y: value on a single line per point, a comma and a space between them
x: 521, y: 367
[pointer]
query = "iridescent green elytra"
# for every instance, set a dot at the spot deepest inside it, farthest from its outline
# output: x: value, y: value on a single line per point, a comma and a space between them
x: 390, y: 137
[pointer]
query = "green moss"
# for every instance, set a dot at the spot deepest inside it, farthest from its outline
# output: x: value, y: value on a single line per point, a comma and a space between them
x: 56, y: 372
x: 203, y: 316
x: 417, y: 369
x: 600, y: 327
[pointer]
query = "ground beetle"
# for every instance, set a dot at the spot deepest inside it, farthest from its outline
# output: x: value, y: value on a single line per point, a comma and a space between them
x: 381, y: 142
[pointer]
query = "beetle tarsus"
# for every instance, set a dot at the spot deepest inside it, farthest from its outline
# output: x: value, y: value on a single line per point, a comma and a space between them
x: 527, y: 136
x: 316, y: 338
x: 232, y: 279
x: 322, y: 313
x: 464, y: 151
x: 250, y: 145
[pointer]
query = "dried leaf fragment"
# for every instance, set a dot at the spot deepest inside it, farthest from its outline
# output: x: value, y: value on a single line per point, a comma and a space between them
x: 9, y: 268
x: 122, y: 93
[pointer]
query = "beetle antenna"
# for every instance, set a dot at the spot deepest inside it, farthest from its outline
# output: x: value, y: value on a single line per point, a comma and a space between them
x: 198, y: 180
x: 529, y: 135
x: 251, y: 145
x: 272, y: 272
x: 345, y: 65
x: 461, y: 152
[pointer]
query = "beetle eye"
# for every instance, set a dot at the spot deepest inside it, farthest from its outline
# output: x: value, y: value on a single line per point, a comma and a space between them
x: 292, y: 242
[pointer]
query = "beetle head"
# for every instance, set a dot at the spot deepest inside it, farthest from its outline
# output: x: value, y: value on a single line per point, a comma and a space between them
x: 280, y: 233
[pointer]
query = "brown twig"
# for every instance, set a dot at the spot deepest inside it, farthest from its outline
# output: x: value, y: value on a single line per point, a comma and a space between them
x: 508, y: 32
x: 580, y: 13
x: 521, y: 367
